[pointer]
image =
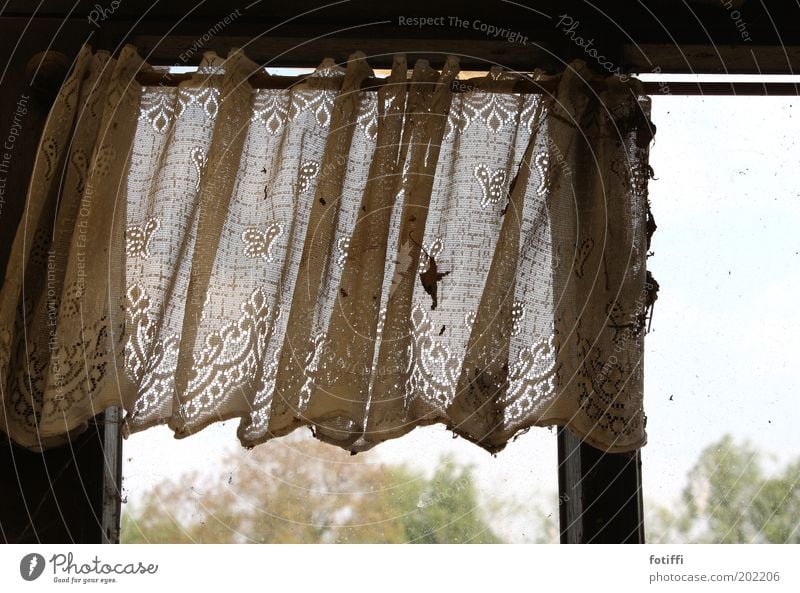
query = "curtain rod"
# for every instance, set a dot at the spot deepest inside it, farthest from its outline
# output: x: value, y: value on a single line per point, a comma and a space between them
x: 522, y: 86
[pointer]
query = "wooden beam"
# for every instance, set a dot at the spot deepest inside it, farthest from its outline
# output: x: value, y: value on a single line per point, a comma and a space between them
x: 479, y: 54
x: 600, y: 494
x: 712, y: 59
x: 673, y: 36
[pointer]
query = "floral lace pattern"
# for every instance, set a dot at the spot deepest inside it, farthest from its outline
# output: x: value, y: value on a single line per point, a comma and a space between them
x: 277, y: 263
x: 260, y: 243
x: 60, y: 326
x: 308, y: 171
x: 205, y: 98
x: 494, y: 110
x: 157, y: 110
x: 436, y: 369
x: 150, y: 360
x: 531, y: 378
x: 137, y: 238
x: 229, y: 358
x: 492, y: 183
x: 342, y: 247
x: 198, y: 158
x: 271, y: 110
x: 368, y: 116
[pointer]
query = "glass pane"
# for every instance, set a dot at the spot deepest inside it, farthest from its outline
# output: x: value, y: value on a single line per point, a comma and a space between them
x: 723, y: 459
x: 425, y: 487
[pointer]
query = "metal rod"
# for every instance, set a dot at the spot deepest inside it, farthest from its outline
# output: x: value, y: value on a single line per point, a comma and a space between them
x: 523, y: 86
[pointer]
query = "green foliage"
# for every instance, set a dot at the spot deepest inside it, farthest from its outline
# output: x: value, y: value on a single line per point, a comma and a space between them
x: 302, y: 491
x: 729, y: 499
x: 447, y: 508
x: 312, y: 493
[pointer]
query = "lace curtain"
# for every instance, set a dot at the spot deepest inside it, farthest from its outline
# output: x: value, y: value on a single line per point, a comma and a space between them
x: 361, y: 262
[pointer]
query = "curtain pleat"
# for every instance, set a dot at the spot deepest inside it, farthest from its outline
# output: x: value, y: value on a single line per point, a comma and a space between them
x: 66, y: 269
x: 199, y: 373
x: 599, y: 240
x: 360, y: 262
x: 391, y: 413
x: 297, y: 394
x: 339, y: 399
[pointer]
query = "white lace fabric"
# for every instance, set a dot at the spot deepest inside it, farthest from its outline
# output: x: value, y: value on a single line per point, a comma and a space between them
x: 361, y: 262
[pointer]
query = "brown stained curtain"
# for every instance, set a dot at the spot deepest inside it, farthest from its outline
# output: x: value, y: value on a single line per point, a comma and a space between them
x: 355, y: 261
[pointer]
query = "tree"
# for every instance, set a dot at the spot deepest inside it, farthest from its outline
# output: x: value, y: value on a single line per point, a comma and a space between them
x: 447, y: 509
x: 729, y: 499
x: 293, y: 491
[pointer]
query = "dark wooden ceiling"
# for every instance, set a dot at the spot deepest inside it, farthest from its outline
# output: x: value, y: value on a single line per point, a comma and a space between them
x: 672, y: 35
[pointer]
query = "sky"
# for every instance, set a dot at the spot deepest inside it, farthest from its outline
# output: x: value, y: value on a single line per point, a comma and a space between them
x: 727, y: 255
x: 723, y: 351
